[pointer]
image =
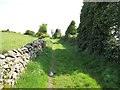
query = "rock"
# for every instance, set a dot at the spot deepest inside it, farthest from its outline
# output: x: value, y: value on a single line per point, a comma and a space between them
x: 1, y: 77
x: 20, y: 51
x: 1, y: 86
x: 8, y: 59
x: 17, y: 53
x: 2, y: 56
x: 25, y: 50
x: 9, y: 81
x: 6, y: 66
x: 51, y: 74
x: 14, y: 75
x: 11, y: 54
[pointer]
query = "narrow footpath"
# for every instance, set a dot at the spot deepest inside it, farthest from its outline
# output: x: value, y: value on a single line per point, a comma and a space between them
x: 52, y: 70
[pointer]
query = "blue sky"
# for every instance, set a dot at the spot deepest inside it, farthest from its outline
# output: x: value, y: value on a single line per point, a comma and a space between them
x: 20, y: 15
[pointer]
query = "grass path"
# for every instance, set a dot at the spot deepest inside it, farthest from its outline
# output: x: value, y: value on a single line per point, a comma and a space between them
x: 73, y: 69
x: 52, y: 69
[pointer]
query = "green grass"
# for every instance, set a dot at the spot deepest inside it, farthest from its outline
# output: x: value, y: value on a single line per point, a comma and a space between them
x: 82, y: 70
x: 36, y: 74
x: 69, y: 73
x: 11, y: 41
x: 73, y: 69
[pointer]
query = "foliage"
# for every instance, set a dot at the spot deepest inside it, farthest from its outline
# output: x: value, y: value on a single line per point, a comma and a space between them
x: 42, y: 35
x: 43, y: 28
x: 98, y: 30
x: 6, y: 30
x: 71, y: 30
x: 29, y: 32
x: 69, y: 72
x: 57, y: 33
x: 71, y: 33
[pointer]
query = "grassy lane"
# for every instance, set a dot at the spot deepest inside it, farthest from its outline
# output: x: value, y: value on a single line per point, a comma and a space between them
x: 82, y: 70
x: 73, y: 69
x: 69, y: 73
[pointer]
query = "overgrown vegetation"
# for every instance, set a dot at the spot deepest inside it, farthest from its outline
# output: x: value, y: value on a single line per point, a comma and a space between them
x: 99, y: 29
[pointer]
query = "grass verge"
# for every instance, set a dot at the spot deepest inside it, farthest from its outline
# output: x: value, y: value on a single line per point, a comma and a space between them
x: 36, y: 74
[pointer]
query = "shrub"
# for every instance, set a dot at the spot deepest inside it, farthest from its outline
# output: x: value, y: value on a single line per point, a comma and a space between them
x: 41, y: 35
x: 71, y: 30
x: 6, y: 30
x: 43, y: 28
x: 29, y: 32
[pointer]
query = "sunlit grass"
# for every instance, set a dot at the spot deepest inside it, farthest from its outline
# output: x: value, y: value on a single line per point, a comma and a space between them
x: 14, y: 40
x: 36, y: 74
x: 73, y: 69
x: 68, y: 73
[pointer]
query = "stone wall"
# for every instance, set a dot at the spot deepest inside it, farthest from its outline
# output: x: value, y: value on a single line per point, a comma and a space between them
x: 13, y: 62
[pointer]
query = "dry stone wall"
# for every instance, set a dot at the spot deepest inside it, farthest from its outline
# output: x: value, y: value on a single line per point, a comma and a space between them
x: 13, y: 62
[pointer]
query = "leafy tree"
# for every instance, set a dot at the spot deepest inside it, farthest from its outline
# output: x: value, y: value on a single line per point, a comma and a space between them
x: 43, y: 28
x: 71, y: 30
x: 97, y: 21
x: 29, y: 32
x: 57, y: 33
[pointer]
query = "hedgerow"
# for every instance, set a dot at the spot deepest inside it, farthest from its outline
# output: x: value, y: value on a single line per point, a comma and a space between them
x: 99, y: 30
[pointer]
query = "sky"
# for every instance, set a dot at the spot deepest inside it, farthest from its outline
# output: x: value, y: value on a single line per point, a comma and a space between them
x: 22, y: 15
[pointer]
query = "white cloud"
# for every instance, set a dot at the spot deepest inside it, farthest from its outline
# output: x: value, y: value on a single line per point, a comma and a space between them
x: 20, y: 15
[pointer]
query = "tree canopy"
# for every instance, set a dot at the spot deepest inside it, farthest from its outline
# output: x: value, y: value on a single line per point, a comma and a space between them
x: 43, y: 28
x: 71, y: 30
x: 29, y: 32
x: 99, y: 30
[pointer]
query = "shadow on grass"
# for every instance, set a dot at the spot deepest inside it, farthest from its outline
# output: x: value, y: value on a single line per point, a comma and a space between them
x: 69, y: 60
x: 44, y: 59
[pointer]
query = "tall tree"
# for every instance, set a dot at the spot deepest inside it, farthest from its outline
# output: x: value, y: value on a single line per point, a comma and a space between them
x: 43, y: 28
x: 57, y: 33
x: 71, y: 30
x: 97, y: 21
